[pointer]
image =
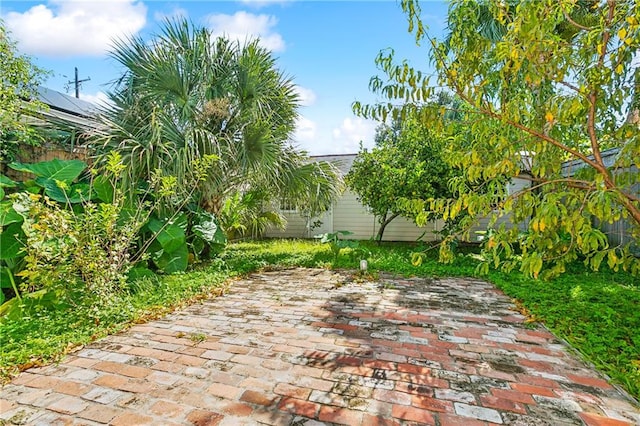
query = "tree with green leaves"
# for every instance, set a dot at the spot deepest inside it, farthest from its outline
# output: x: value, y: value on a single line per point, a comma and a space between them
x: 555, y: 83
x: 20, y: 79
x: 406, y: 163
x: 186, y: 95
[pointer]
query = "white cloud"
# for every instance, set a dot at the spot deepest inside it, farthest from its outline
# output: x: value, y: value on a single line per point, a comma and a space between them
x: 262, y: 3
x: 75, y: 27
x: 176, y: 13
x: 244, y: 26
x: 307, y: 96
x: 306, y: 131
x: 352, y: 131
x: 99, y: 98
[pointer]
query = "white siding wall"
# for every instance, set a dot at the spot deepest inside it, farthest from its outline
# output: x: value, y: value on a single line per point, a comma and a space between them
x: 350, y: 215
x: 296, y: 227
x: 402, y: 229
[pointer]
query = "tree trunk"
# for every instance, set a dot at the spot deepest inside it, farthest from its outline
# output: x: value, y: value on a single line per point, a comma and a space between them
x: 383, y: 224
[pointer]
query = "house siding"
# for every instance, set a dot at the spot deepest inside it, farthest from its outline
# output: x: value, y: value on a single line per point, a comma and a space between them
x: 348, y: 214
x: 296, y: 227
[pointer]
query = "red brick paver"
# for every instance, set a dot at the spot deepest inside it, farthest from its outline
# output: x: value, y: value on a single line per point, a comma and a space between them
x: 293, y: 348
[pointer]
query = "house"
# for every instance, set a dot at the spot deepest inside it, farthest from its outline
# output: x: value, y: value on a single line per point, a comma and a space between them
x: 348, y: 214
x: 66, y: 110
x: 65, y: 119
x: 617, y: 232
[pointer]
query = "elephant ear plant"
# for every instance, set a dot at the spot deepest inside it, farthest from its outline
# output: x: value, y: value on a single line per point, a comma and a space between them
x: 9, y: 242
x: 177, y: 240
x: 71, y: 235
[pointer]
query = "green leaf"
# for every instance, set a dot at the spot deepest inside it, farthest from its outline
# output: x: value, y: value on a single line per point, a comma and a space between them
x: 5, y: 279
x: 15, y: 309
x: 197, y: 245
x: 208, y: 228
x: 77, y: 193
x: 176, y: 261
x: 138, y: 273
x: 11, y: 241
x: 31, y: 187
x: 103, y: 189
x: 155, y: 250
x: 6, y: 182
x: 62, y: 170
x: 170, y: 235
x: 1, y: 193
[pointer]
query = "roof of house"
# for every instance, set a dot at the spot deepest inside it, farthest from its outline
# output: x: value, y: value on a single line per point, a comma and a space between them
x: 66, y: 103
x: 342, y: 161
x: 66, y: 108
x: 608, y: 158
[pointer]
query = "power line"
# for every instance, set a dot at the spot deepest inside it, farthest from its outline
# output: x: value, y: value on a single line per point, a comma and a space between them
x: 77, y: 83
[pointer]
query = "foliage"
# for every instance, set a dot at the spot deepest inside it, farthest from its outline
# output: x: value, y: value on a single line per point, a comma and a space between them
x: 554, y: 83
x: 337, y: 243
x: 248, y: 214
x: 175, y: 241
x: 71, y: 234
x: 66, y: 245
x: 187, y: 95
x: 20, y: 78
x: 57, y: 178
x: 406, y: 163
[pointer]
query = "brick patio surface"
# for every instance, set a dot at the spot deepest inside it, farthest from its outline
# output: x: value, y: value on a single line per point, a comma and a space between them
x: 304, y: 347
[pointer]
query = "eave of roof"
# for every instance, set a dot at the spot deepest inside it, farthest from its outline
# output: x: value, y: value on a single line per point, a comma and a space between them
x: 63, y: 110
x: 342, y: 161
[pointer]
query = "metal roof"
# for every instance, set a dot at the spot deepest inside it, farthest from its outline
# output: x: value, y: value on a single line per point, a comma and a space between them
x: 342, y: 161
x: 609, y: 157
x: 65, y: 103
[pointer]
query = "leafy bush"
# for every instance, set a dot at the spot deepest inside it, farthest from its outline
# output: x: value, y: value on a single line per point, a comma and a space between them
x: 68, y: 235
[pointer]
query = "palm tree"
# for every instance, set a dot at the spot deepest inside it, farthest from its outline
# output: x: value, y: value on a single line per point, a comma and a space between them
x: 186, y: 95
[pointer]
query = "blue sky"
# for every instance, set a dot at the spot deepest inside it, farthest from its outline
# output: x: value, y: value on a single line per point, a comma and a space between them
x: 328, y: 47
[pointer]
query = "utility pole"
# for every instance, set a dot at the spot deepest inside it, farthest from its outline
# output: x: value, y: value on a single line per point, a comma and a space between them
x: 77, y: 83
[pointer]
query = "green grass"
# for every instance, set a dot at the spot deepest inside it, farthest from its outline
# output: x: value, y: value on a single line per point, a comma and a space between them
x: 597, y: 312
x: 47, y: 334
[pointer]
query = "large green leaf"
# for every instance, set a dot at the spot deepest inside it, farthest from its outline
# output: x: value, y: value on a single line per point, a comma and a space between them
x: 1, y: 193
x: 208, y: 228
x: 5, y: 278
x: 11, y: 241
x: 74, y: 194
x: 197, y: 245
x: 6, y: 281
x: 8, y: 215
x: 6, y: 182
x: 155, y: 250
x: 103, y: 189
x: 170, y: 234
x: 176, y: 261
x: 15, y: 308
x: 62, y: 170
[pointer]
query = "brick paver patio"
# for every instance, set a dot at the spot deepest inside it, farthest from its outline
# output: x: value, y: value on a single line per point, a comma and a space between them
x: 302, y: 347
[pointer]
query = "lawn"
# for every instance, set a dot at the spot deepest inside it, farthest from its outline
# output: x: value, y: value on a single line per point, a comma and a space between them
x: 597, y: 312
